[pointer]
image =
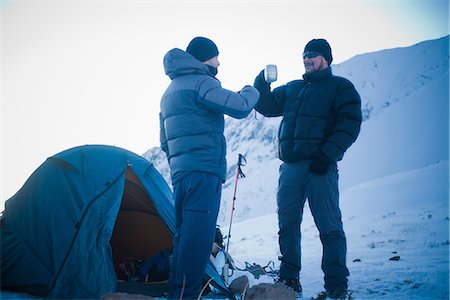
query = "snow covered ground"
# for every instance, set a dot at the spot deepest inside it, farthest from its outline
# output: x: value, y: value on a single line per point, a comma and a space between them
x: 405, y: 215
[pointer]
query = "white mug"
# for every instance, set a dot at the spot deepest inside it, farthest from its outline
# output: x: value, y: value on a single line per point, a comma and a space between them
x: 270, y: 73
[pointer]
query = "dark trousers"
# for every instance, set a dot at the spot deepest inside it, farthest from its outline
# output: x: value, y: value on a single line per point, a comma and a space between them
x: 197, y: 200
x: 296, y: 184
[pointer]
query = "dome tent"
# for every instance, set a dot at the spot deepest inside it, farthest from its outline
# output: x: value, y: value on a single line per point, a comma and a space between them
x: 78, y: 215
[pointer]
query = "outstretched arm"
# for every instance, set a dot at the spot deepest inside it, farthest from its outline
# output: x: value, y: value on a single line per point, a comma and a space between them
x: 235, y: 104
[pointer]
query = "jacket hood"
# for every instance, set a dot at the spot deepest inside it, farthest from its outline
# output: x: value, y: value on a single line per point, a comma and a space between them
x: 178, y: 62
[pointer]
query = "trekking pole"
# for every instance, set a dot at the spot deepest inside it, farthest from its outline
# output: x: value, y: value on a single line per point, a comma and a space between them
x: 239, y: 174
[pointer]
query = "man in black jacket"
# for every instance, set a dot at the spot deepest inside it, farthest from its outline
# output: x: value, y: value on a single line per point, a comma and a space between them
x: 321, y: 120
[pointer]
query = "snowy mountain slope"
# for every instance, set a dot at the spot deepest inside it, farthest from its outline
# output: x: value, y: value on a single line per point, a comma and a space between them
x: 409, y: 133
x: 388, y: 76
x: 404, y: 214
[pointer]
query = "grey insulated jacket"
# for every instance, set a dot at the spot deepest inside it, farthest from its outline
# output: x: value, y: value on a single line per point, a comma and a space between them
x: 192, y: 115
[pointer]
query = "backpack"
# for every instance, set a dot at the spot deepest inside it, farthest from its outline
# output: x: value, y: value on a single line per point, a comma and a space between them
x: 153, y: 269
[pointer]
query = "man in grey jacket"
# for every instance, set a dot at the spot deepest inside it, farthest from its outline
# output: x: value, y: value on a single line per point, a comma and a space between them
x: 321, y: 119
x: 192, y: 125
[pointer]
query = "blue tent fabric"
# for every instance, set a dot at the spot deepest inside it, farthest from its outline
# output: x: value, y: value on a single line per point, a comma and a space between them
x: 56, y: 230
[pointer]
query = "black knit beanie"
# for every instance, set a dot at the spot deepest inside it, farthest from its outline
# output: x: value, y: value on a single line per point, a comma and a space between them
x: 202, y: 48
x: 320, y: 46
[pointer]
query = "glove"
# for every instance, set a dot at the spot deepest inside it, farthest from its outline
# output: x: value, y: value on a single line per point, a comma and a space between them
x: 260, y: 83
x: 319, y: 165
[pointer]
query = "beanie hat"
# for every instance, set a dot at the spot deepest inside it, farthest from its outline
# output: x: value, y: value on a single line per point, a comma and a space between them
x: 202, y: 48
x: 320, y: 46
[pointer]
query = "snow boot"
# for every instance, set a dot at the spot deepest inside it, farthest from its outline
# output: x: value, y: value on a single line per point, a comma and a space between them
x: 292, y: 283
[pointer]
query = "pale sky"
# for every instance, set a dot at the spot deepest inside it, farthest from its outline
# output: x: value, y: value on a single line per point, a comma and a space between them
x: 91, y: 72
